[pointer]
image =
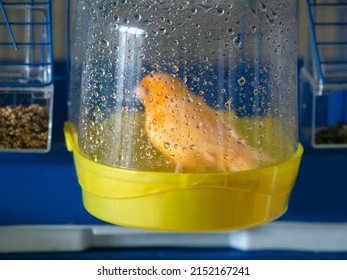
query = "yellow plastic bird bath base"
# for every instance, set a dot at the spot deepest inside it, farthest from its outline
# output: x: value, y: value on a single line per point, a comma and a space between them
x: 184, y: 202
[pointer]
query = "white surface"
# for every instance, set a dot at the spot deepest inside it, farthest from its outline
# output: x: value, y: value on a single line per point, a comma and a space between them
x: 311, y: 237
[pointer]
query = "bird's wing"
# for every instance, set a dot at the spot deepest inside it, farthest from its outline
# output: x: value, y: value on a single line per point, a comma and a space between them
x: 189, y: 132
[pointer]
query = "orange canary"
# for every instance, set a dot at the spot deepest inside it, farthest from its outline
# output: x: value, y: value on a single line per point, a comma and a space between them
x: 189, y: 132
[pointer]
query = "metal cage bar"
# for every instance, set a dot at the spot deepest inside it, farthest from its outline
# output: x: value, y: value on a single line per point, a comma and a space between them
x: 318, y: 40
x: 26, y: 51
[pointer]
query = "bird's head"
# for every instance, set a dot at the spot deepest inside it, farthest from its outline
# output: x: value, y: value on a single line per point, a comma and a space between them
x: 158, y: 88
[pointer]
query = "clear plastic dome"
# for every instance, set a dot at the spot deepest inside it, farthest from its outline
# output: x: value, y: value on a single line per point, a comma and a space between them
x: 185, y: 86
x: 183, y: 114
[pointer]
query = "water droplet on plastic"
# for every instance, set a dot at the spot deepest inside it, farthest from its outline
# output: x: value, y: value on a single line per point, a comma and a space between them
x: 148, y: 21
x: 126, y: 20
x: 262, y: 6
x: 231, y: 31
x: 105, y: 43
x: 167, y: 145
x: 109, y: 75
x: 241, y: 81
x: 199, y: 124
x: 206, y: 7
x: 193, y: 10
x: 137, y: 17
x: 91, y: 124
x: 175, y: 69
x: 162, y: 30
x: 270, y: 20
x: 220, y: 11
x: 237, y: 41
x: 196, y: 79
x: 101, y: 71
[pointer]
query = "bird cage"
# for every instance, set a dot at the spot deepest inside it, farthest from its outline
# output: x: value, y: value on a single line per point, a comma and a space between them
x: 323, y: 97
x: 26, y: 71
